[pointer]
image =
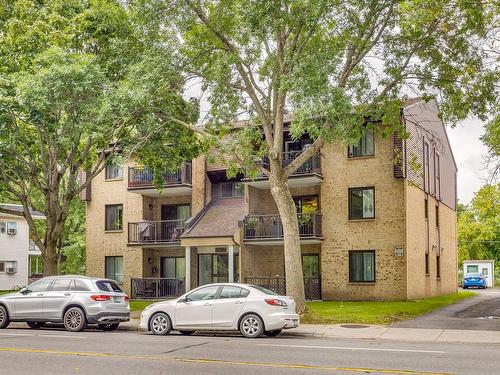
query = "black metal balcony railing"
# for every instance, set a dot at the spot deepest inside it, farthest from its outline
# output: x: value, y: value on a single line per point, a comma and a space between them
x: 312, y: 165
x: 277, y: 284
x: 156, y: 231
x: 156, y: 288
x: 143, y: 176
x: 270, y: 227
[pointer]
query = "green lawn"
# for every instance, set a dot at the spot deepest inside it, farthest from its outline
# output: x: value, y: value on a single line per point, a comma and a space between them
x: 335, y: 312
x: 5, y: 291
x: 138, y: 305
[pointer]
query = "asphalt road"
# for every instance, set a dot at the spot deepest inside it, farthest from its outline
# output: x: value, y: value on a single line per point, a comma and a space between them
x: 54, y: 351
x: 481, y: 312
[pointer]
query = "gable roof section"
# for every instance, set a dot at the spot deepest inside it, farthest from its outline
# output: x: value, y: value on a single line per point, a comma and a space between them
x: 219, y: 220
x: 19, y: 209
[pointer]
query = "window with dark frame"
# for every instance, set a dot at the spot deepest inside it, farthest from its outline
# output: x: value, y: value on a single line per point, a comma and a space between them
x: 362, y: 266
x: 361, y: 203
x: 3, y: 227
x: 365, y: 146
x: 437, y: 176
x: 426, y: 167
x: 114, y: 217
x: 114, y: 268
x: 437, y: 216
x: 438, y: 266
x: 2, y: 266
x: 427, y: 263
x: 113, y: 171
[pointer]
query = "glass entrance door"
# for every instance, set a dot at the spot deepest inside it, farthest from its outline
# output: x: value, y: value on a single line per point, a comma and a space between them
x: 173, y: 267
x: 214, y: 268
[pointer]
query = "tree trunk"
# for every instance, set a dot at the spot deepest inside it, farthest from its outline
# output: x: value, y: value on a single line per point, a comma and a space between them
x: 50, y: 259
x: 293, y: 259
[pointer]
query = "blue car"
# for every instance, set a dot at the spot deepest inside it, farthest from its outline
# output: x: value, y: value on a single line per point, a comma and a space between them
x: 476, y: 280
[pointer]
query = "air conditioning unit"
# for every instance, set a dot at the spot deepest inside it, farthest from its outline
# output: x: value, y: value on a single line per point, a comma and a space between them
x: 10, y: 269
x: 12, y: 231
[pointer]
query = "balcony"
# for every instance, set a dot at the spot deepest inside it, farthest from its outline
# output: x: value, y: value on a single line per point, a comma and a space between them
x: 268, y: 229
x: 164, y: 232
x: 308, y: 173
x: 140, y: 180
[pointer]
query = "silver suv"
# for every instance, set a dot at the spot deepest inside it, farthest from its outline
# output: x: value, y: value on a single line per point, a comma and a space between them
x: 74, y: 301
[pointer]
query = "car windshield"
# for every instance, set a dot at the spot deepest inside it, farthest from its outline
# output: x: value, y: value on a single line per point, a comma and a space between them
x: 108, y: 286
x: 264, y: 290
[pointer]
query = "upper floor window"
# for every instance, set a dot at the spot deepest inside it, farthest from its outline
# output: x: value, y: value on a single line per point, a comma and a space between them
x: 365, y: 146
x: 426, y: 167
x: 437, y: 176
x: 3, y: 227
x: 361, y: 203
x: 113, y: 171
x: 9, y: 227
x: 228, y: 189
x: 114, y: 217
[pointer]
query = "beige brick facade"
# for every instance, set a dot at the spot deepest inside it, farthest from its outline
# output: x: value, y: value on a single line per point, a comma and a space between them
x: 396, y: 234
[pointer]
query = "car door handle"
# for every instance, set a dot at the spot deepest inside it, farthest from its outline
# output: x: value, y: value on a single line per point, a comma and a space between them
x: 207, y: 304
x: 40, y: 294
x: 238, y: 303
x: 67, y: 294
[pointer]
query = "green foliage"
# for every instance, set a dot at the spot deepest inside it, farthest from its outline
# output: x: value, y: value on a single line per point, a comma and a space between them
x: 491, y: 139
x: 71, y: 249
x: 479, y: 226
x: 336, y: 312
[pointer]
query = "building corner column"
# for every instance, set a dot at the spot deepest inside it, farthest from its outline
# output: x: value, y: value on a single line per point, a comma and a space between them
x: 187, y: 281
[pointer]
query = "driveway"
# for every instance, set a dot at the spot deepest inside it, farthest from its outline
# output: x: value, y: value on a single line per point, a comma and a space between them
x: 481, y: 312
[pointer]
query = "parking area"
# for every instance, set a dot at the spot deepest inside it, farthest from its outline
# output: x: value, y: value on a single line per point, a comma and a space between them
x: 481, y: 312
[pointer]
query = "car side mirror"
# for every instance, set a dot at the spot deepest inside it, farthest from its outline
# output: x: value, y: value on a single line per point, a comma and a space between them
x: 25, y: 291
x: 185, y: 299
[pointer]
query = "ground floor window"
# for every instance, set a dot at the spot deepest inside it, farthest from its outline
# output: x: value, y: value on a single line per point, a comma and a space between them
x: 362, y: 266
x: 214, y: 268
x: 438, y: 266
x: 426, y: 263
x: 114, y: 269
x: 173, y: 267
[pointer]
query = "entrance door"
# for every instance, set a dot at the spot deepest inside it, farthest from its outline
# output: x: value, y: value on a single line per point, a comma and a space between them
x: 213, y: 268
x: 312, y: 280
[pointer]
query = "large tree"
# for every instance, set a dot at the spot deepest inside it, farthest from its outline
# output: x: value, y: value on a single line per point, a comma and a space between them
x: 336, y: 65
x: 81, y: 85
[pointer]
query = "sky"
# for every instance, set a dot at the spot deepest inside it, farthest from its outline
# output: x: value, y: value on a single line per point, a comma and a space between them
x: 469, y: 152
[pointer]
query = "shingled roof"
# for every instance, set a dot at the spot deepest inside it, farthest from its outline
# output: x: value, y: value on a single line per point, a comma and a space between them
x: 17, y: 208
x: 220, y: 220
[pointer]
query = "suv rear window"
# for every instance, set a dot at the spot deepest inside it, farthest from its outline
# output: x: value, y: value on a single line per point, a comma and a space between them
x: 108, y: 286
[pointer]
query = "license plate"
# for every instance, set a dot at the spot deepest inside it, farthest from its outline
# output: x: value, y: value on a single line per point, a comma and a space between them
x: 117, y: 299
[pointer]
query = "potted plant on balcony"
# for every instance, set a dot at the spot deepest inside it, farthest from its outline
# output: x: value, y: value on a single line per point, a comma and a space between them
x: 250, y: 227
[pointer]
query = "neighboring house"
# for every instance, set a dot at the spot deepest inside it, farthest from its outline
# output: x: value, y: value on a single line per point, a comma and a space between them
x: 377, y: 221
x: 484, y: 267
x: 17, y: 252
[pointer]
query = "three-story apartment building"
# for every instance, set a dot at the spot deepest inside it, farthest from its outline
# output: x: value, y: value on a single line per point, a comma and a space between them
x: 377, y: 220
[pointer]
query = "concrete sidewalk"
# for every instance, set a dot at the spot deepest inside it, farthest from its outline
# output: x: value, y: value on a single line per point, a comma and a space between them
x: 379, y: 332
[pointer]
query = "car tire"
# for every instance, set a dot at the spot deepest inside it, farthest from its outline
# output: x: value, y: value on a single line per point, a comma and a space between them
x: 186, y: 333
x: 251, y: 326
x: 273, y: 333
x: 4, y: 317
x: 108, y: 327
x: 35, y: 325
x: 160, y: 324
x: 74, y: 320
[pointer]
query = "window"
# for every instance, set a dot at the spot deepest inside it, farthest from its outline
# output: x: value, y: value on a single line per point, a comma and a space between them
x: 426, y: 167
x: 114, y: 269
x: 108, y: 286
x: 61, y: 285
x: 204, y: 293
x: 2, y: 266
x: 173, y: 267
x: 80, y: 286
x: 437, y: 176
x: 427, y: 263
x: 437, y: 216
x: 114, y: 217
x: 11, y: 227
x: 362, y: 266
x: 472, y: 269
x: 361, y: 203
x: 228, y: 189
x: 438, y: 266
x: 40, y: 286
x: 365, y: 146
x: 233, y: 292
x: 306, y: 204
x: 426, y: 208
x: 113, y: 171
x: 3, y: 227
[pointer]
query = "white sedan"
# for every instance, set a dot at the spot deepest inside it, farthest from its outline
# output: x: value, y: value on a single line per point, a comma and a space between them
x: 251, y: 309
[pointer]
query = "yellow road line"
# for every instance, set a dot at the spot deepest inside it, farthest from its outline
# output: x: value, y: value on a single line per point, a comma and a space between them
x: 222, y: 362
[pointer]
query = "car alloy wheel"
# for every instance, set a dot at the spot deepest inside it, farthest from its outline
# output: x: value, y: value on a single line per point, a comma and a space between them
x: 251, y: 326
x: 74, y: 320
x: 4, y: 318
x: 160, y: 324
